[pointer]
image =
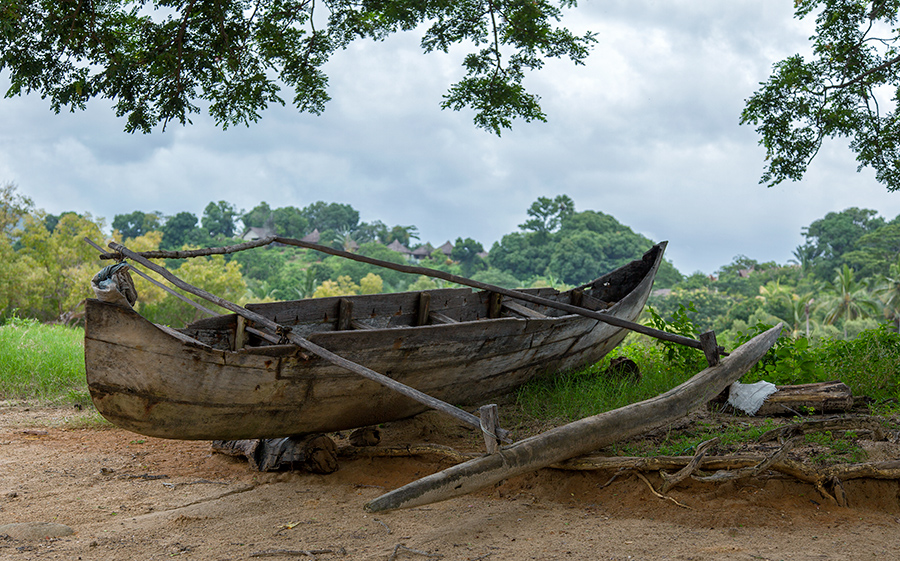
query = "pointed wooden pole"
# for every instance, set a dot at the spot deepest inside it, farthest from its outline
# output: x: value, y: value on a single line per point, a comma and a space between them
x: 580, y: 437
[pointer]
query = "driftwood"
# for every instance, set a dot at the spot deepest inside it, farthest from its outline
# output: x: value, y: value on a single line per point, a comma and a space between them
x: 707, y: 342
x: 580, y: 437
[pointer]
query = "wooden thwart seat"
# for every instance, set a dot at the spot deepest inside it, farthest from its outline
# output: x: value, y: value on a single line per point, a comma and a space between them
x: 437, y: 317
x: 523, y: 310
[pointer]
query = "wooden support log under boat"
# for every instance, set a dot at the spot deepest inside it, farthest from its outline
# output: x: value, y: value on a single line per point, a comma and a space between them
x: 304, y: 344
x: 580, y: 437
x: 711, y: 352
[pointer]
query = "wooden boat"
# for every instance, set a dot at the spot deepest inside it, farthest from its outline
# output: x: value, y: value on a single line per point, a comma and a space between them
x: 215, y: 379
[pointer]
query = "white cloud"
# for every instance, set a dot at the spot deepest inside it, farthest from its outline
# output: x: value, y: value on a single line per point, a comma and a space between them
x: 647, y: 131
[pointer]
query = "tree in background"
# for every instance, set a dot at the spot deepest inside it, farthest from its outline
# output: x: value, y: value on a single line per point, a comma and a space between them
x: 846, y: 299
x: 178, y: 230
x: 259, y: 216
x: 548, y: 214
x: 136, y: 224
x: 219, y: 219
x: 57, y: 265
x: 847, y: 89
x: 836, y: 234
x: 212, y: 274
x: 13, y: 209
x: 289, y: 222
x: 331, y: 216
x: 162, y: 61
x: 875, y: 252
x: 466, y: 252
x: 343, y: 286
x: 888, y: 289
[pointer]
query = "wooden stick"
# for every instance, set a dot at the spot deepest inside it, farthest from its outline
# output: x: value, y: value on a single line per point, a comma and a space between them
x: 581, y: 436
x: 146, y: 277
x: 490, y: 422
x: 322, y: 352
x: 606, y: 318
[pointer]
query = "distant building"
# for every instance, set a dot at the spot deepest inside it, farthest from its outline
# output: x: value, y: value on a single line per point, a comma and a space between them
x: 422, y: 252
x: 312, y: 237
x: 253, y: 234
x: 447, y: 248
x: 399, y: 248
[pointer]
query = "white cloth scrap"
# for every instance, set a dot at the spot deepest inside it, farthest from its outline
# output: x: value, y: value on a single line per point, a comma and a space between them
x: 750, y: 397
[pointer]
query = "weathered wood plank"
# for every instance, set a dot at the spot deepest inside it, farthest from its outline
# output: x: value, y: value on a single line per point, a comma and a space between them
x: 495, y: 301
x: 523, y: 310
x: 437, y: 317
x: 240, y: 333
x: 345, y: 314
x: 423, y: 309
x: 822, y: 397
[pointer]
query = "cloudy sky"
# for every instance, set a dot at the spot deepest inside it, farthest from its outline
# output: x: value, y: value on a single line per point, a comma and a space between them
x: 647, y: 131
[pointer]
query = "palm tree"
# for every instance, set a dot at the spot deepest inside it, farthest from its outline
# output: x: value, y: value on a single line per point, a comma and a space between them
x: 846, y: 298
x: 888, y: 290
x: 804, y: 255
x: 793, y: 308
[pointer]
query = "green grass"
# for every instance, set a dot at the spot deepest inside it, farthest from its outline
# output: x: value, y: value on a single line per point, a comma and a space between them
x: 576, y: 394
x: 42, y: 362
x: 685, y: 443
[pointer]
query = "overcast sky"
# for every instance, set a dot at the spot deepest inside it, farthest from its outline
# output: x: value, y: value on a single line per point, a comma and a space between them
x: 647, y: 131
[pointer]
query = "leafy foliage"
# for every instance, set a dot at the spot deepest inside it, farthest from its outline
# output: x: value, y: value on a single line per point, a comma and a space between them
x: 161, y: 61
x: 135, y: 224
x: 847, y: 90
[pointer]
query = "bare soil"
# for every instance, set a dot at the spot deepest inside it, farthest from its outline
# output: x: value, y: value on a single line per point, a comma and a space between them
x: 129, y: 497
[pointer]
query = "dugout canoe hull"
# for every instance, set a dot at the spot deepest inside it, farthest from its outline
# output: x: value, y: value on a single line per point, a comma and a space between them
x: 191, y: 384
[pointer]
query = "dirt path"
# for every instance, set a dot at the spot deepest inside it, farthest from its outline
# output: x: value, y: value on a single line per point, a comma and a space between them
x: 131, y: 497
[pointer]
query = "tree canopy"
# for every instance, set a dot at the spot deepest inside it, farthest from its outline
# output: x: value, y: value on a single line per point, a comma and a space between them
x: 847, y: 89
x: 161, y: 60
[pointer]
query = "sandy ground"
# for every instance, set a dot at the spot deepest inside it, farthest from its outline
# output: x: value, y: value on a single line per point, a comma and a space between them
x: 131, y: 497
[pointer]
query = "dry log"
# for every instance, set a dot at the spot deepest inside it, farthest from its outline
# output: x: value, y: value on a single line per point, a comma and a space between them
x: 670, y: 481
x: 823, y: 397
x: 581, y: 436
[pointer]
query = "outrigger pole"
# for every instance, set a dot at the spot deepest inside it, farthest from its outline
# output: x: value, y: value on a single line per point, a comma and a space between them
x: 707, y: 342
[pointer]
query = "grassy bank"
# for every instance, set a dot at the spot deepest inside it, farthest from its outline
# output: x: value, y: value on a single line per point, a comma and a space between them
x: 868, y: 364
x: 41, y: 362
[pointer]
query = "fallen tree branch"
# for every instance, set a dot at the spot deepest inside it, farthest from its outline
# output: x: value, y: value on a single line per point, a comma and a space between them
x: 657, y: 493
x: 670, y: 481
